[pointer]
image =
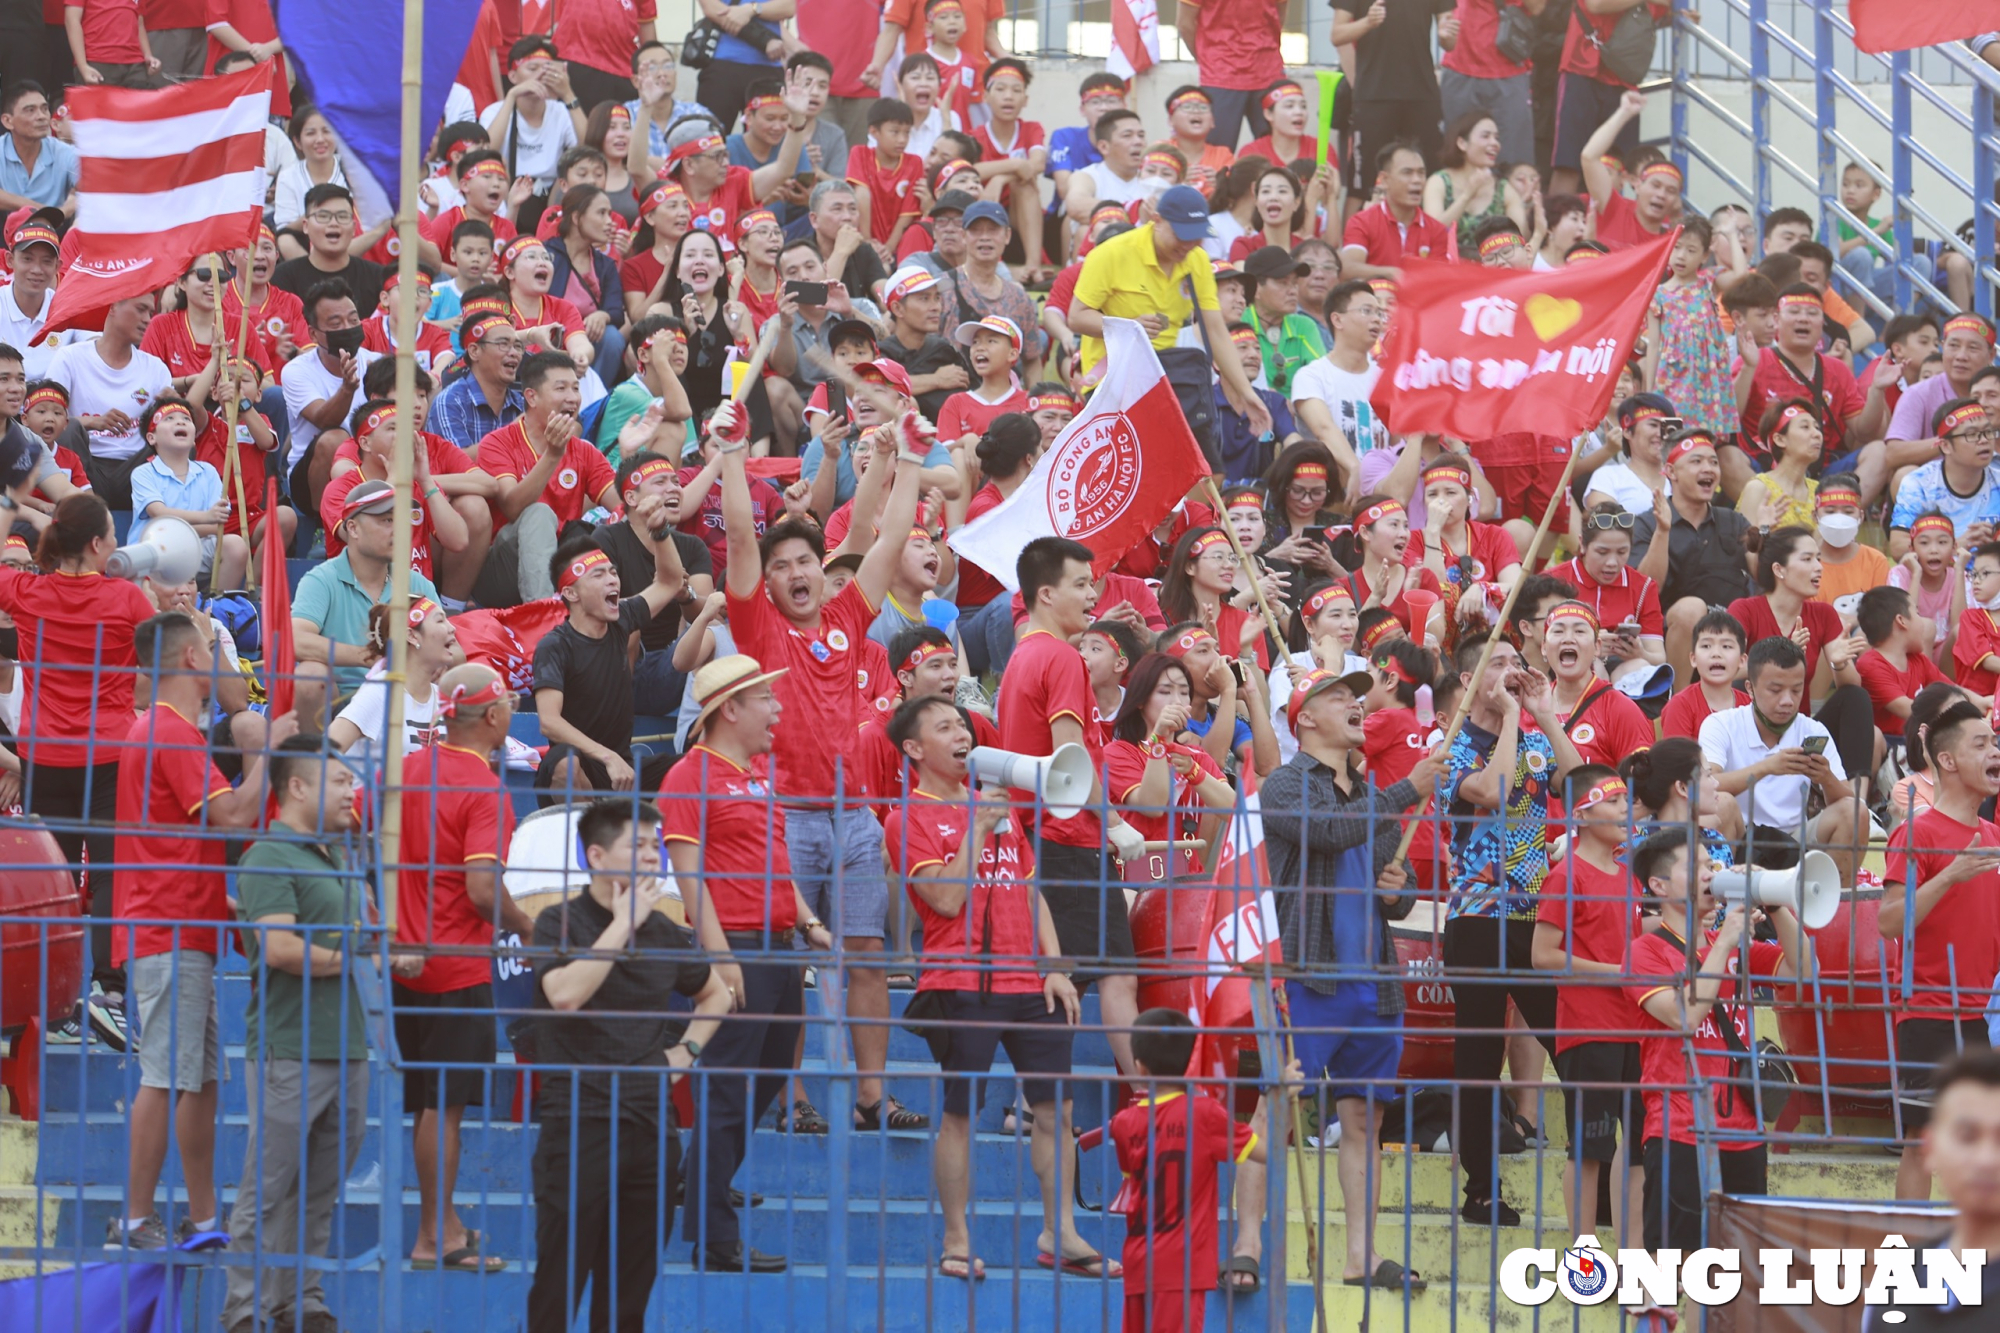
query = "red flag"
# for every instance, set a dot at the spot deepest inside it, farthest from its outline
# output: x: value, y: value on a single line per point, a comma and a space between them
x: 1097, y: 484
x: 505, y: 639
x: 1896, y: 25
x: 162, y: 177
x: 1242, y: 935
x: 281, y: 661
x: 1474, y: 353
x: 1135, y: 38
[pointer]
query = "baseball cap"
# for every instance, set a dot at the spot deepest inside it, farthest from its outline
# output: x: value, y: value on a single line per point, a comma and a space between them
x: 953, y: 201
x: 1183, y: 209
x: 907, y: 281
x: 884, y: 371
x: 986, y: 211
x: 1271, y: 261
x: 1358, y: 684
x: 845, y: 330
x: 999, y: 324
x: 370, y: 497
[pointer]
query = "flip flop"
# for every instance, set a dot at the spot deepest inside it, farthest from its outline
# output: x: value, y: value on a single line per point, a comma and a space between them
x: 1089, y: 1265
x: 1388, y: 1274
x: 461, y: 1260
x: 1242, y: 1266
x: 965, y: 1268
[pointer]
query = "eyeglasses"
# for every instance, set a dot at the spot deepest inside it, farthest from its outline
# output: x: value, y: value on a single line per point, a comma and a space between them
x: 655, y: 66
x: 501, y: 345
x: 1298, y: 492
x: 1224, y: 558
x: 1975, y: 436
x: 330, y: 219
x: 1610, y: 522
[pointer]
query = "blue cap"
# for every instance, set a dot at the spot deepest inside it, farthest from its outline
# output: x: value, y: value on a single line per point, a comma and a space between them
x: 985, y: 211
x: 1183, y: 208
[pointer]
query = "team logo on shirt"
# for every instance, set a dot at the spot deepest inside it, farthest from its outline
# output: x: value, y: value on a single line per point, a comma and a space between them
x: 566, y: 479
x: 1537, y: 762
x: 860, y: 677
x: 274, y: 326
x: 902, y: 189
x: 1583, y: 735
x: 756, y: 788
x: 837, y: 640
x: 1096, y: 474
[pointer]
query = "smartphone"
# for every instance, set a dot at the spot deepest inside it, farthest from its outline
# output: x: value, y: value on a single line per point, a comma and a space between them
x: 836, y: 398
x: 808, y: 293
x: 1813, y: 745
x: 1236, y: 670
x: 1630, y: 629
x: 1316, y: 533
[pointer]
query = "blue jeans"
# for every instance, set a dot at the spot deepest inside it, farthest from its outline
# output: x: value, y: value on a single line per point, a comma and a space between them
x: 988, y: 635
x: 610, y: 360
x: 1874, y: 271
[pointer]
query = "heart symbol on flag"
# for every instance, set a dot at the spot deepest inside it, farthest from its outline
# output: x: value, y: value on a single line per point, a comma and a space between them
x: 1552, y: 315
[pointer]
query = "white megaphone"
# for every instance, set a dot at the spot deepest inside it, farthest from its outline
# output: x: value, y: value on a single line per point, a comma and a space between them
x: 1811, y: 888
x: 168, y: 550
x: 1061, y: 781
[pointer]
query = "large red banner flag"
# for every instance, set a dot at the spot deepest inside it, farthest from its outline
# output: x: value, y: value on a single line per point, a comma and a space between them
x: 1896, y: 25
x: 1477, y: 352
x: 163, y: 177
x: 1097, y: 483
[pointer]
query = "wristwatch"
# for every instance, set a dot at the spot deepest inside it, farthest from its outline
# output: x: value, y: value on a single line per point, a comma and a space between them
x: 691, y: 1046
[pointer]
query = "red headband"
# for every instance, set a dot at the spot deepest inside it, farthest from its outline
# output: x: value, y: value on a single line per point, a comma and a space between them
x: 420, y: 608
x: 762, y: 100
x: 1164, y: 159
x: 1502, y: 240
x: 1191, y: 95
x: 1932, y: 523
x: 1609, y: 789
x: 1800, y: 301
x: 1188, y: 642
x: 1375, y: 513
x: 1308, y: 469
x: 755, y: 218
x: 1687, y: 444
x: 1246, y: 500
x: 1060, y: 402
x: 1838, y: 495
x: 487, y: 167
x: 1450, y: 472
x: 580, y: 566
x: 517, y: 247
x: 264, y: 233
x: 1787, y: 417
x: 380, y: 417
x: 173, y: 410
x: 707, y: 143
x: 1573, y: 611
x: 652, y: 467
x: 1205, y: 543
x: 1280, y: 93
x: 16, y: 542
x: 1959, y: 416
x: 1964, y: 324
x: 1338, y: 592
x: 923, y: 653
x: 1246, y: 337
x: 1660, y: 169
x: 46, y: 394
x: 1380, y: 633
x: 658, y: 193
x: 487, y: 305
x: 460, y: 698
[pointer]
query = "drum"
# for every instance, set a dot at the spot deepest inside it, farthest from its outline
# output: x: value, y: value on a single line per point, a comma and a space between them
x: 1853, y: 960
x: 1428, y: 1020
x: 37, y: 884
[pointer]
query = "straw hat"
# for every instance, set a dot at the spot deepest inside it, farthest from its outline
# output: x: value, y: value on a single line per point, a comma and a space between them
x: 724, y: 679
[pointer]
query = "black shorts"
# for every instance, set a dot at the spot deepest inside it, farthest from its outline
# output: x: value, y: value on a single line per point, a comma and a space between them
x: 1378, y: 123
x: 1674, y: 1215
x: 1595, y: 1114
x: 1583, y: 104
x: 1037, y: 1042
x: 432, y: 1030
x: 1922, y: 1044
x: 1088, y: 907
x: 650, y: 771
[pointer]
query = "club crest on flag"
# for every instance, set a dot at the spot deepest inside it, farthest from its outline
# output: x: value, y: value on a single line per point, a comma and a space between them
x: 1096, y: 473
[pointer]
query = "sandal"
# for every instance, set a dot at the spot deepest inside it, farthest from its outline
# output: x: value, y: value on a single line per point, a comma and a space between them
x: 804, y: 1118
x: 1088, y: 1265
x: 899, y: 1117
x: 964, y: 1267
x: 1242, y: 1276
x: 1016, y: 1119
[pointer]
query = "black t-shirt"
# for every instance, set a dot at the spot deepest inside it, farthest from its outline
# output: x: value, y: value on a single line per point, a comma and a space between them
x: 637, y: 991
x: 862, y: 271
x: 298, y: 276
x: 934, y: 355
x: 594, y: 675
x: 19, y: 452
x: 634, y: 564
x: 1393, y: 63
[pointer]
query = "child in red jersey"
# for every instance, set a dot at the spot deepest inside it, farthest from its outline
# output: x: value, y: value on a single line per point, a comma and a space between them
x: 1898, y: 663
x: 1976, y: 650
x: 1170, y: 1145
x: 1719, y: 645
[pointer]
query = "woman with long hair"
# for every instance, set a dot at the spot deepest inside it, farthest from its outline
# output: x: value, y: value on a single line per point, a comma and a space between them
x: 1791, y: 431
x: 1004, y: 456
x: 1232, y: 206
x: 1789, y: 606
x: 713, y: 324
x: 585, y: 273
x: 665, y: 215
x: 1281, y: 217
x: 1466, y: 190
x: 1200, y: 585
x: 1672, y: 788
x: 433, y: 650
x: 75, y: 628
x: 1167, y: 785
x: 1911, y: 795
x: 1380, y: 578
x: 609, y: 131
x: 1297, y: 489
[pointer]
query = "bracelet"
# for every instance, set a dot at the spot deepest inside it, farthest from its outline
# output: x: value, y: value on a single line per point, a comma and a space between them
x: 432, y: 491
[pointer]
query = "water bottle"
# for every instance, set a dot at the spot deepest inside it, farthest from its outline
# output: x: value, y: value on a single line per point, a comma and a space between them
x: 1426, y: 709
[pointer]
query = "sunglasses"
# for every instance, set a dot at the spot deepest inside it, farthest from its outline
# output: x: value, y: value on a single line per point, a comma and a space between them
x: 206, y: 274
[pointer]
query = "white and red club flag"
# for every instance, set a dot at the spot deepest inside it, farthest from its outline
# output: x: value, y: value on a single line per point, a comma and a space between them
x: 164, y: 177
x: 1241, y: 936
x: 1097, y: 484
x: 1135, y: 38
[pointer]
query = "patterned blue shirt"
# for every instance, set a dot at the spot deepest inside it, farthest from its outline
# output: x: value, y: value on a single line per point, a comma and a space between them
x: 1500, y: 857
x: 460, y: 412
x: 1926, y: 489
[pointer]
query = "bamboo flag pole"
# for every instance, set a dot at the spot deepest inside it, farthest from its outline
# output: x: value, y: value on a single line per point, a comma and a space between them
x: 232, y: 461
x: 401, y: 464
x: 1272, y: 625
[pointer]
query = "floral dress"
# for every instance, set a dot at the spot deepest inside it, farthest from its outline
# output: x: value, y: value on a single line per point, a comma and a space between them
x: 1469, y: 222
x: 1694, y: 357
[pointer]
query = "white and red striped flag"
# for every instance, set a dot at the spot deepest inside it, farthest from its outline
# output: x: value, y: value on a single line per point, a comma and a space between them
x: 1242, y: 934
x: 1135, y: 37
x: 164, y: 177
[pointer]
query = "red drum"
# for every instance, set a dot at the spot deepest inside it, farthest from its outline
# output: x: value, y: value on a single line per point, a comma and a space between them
x: 1853, y: 959
x: 34, y: 883
x: 1428, y: 1022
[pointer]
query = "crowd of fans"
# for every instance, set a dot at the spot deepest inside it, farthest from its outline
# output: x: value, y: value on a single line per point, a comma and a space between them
x: 1765, y: 617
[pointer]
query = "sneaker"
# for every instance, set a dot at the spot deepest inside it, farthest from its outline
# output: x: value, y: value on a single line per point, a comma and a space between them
x: 1490, y: 1212
x: 107, y: 1017
x: 185, y: 1230
x: 69, y: 1032
x: 150, y: 1234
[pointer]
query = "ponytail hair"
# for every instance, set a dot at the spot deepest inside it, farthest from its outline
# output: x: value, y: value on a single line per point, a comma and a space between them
x: 1652, y: 772
x: 80, y: 519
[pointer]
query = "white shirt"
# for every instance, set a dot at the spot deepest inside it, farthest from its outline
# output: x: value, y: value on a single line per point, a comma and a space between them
x: 1622, y: 484
x: 95, y: 388
x: 293, y: 180
x: 369, y: 711
x: 536, y: 147
x: 19, y: 331
x: 278, y: 154
x: 927, y: 131
x: 308, y: 381
x: 1110, y: 189
x: 1223, y: 229
x: 1346, y: 395
x: 1730, y: 740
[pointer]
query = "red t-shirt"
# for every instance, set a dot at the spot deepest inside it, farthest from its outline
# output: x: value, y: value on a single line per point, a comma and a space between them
x: 1170, y: 1220
x: 433, y: 340
x: 1958, y: 941
x: 253, y: 23
x: 1885, y: 685
x: 278, y: 314
x: 110, y: 31
x: 1386, y: 243
x: 1063, y: 290
x: 1357, y: 583
x: 1028, y: 136
x: 1632, y: 597
x: 1619, y: 227
x: 1657, y: 961
x: 162, y: 15
x: 1978, y: 637
x: 553, y: 310
x: 1492, y: 550
x: 1776, y: 380
x: 1237, y: 44
x: 1117, y: 588
x: 881, y: 765
x: 169, y: 338
x: 1125, y: 769
x: 72, y: 466
x: 76, y: 648
x: 892, y: 194
x: 958, y: 83
x: 488, y: 38
x: 718, y: 212
x: 446, y: 458
x: 335, y: 495
x: 212, y: 447
x: 455, y: 812
x: 1759, y: 622
x: 579, y: 481
x: 844, y: 31
x: 1046, y: 680
x: 975, y: 586
x: 1687, y: 710
x: 708, y: 801
x: 1392, y: 743
x: 1608, y: 727
x: 602, y: 34
x: 1599, y: 918
x: 766, y: 505
x: 876, y: 680
x: 438, y: 230
x: 1001, y: 910
x: 1580, y: 54
x: 639, y: 272
x: 823, y: 711
x: 169, y: 864
x: 965, y: 414
x: 1477, y: 53
x: 1308, y: 152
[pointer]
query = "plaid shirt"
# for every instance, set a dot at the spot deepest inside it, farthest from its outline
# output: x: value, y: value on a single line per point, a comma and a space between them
x: 461, y: 415
x: 1308, y: 823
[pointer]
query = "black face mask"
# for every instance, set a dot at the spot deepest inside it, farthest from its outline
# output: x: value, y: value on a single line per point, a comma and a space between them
x: 344, y: 340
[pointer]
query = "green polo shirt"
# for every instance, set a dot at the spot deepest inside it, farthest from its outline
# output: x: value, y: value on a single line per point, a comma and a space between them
x: 309, y: 882
x: 330, y: 598
x: 1289, y: 344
